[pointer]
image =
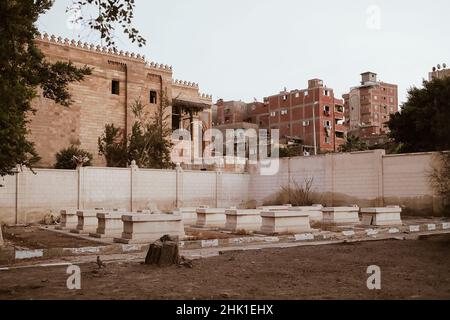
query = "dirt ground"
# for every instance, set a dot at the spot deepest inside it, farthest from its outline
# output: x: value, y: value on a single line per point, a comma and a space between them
x: 409, y: 270
x: 32, y: 237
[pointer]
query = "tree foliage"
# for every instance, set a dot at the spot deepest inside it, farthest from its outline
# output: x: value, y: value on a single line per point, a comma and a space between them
x: 68, y: 158
x: 353, y: 144
x: 149, y: 143
x: 25, y: 73
x: 440, y: 180
x: 423, y: 124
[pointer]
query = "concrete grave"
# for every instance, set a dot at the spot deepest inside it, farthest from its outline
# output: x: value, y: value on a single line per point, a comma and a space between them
x: 211, y: 218
x: 188, y: 214
x: 87, y: 222
x: 145, y: 228
x: 69, y: 219
x: 110, y: 224
x: 341, y: 215
x: 389, y: 216
x: 276, y: 222
x: 240, y: 219
x: 314, y: 212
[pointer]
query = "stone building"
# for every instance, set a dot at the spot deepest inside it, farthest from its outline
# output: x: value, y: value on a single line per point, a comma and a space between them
x: 368, y: 107
x: 118, y: 80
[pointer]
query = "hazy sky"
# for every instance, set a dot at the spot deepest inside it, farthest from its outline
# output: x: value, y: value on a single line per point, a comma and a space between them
x: 241, y: 49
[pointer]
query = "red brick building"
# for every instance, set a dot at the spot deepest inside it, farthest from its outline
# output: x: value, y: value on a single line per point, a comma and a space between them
x: 312, y: 115
x: 368, y: 107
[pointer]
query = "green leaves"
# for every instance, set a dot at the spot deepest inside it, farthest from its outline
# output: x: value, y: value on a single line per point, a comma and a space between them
x: 423, y: 124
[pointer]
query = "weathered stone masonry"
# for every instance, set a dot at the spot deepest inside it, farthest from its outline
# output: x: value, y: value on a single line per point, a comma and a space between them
x: 55, y: 127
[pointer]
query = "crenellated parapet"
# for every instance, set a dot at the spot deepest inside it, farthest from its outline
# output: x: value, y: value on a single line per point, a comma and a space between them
x: 103, y: 50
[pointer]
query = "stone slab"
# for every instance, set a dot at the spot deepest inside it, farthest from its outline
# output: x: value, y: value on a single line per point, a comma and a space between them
x: 147, y: 228
x: 284, y: 222
x: 211, y: 218
x: 245, y: 220
x: 87, y: 222
x: 341, y: 215
x: 110, y: 224
x: 314, y: 212
x: 275, y: 208
x: 387, y: 216
x: 69, y: 219
x: 188, y: 214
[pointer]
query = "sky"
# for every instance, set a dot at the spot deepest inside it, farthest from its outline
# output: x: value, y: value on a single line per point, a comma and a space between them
x: 246, y: 49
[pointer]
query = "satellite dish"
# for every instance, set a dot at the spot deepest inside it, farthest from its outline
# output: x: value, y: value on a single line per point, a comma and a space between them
x: 444, y: 65
x: 434, y: 69
x: 439, y: 67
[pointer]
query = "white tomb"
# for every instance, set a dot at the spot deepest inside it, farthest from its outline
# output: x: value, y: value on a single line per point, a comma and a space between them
x: 341, y: 215
x: 314, y: 212
x: 87, y: 222
x: 240, y: 219
x: 188, y: 214
x: 276, y: 222
x: 110, y: 224
x: 69, y: 219
x: 147, y: 228
x: 388, y: 216
x: 211, y: 218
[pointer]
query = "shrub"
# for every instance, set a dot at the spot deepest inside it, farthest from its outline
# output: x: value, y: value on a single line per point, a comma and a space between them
x: 440, y: 180
x: 295, y: 194
x: 67, y: 158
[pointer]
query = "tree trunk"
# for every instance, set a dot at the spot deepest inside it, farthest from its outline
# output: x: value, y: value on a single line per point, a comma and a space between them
x: 163, y: 253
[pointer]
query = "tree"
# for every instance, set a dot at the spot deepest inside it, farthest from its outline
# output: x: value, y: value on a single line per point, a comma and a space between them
x: 440, y: 180
x: 423, y: 124
x: 68, y: 158
x: 149, y: 143
x: 353, y: 144
x: 25, y: 73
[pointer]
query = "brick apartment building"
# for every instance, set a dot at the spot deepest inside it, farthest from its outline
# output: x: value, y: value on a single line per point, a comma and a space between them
x: 106, y: 96
x: 312, y: 117
x: 368, y: 107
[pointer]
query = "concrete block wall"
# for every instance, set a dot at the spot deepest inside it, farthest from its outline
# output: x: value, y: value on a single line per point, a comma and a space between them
x: 363, y: 178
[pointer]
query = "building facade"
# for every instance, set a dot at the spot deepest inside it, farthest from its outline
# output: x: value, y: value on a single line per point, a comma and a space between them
x: 118, y: 80
x: 313, y: 116
x: 439, y: 73
x: 368, y: 108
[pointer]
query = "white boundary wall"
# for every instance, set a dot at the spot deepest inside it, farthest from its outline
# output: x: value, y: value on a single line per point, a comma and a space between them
x: 364, y: 178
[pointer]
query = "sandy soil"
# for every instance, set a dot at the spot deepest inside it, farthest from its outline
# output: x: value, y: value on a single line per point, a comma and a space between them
x: 410, y: 270
x: 34, y: 238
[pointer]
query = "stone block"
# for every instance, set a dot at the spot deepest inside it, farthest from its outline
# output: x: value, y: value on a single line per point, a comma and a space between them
x: 341, y: 215
x: 110, y: 224
x: 240, y: 219
x: 87, y: 222
x: 211, y: 218
x: 188, y: 214
x: 314, y: 212
x: 147, y: 228
x: 282, y: 222
x: 69, y: 219
x: 389, y: 216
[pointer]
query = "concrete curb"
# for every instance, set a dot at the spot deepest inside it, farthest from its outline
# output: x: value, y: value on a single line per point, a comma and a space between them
x: 8, y: 255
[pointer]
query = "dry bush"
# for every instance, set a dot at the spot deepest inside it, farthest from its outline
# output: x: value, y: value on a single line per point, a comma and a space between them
x: 296, y: 194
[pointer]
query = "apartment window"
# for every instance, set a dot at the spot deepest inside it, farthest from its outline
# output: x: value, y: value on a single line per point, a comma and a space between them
x: 376, y: 116
x: 391, y: 109
x: 284, y: 97
x: 284, y: 112
x: 339, y: 108
x: 305, y: 123
x: 375, y: 97
x: 115, y: 87
x: 153, y: 97
x: 340, y: 135
x: 297, y: 95
x: 273, y: 114
x: 391, y: 100
x: 326, y: 93
x: 327, y: 140
x: 305, y: 93
x: 327, y: 124
x: 326, y: 110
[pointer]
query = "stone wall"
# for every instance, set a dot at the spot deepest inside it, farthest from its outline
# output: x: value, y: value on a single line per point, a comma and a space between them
x: 364, y: 178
